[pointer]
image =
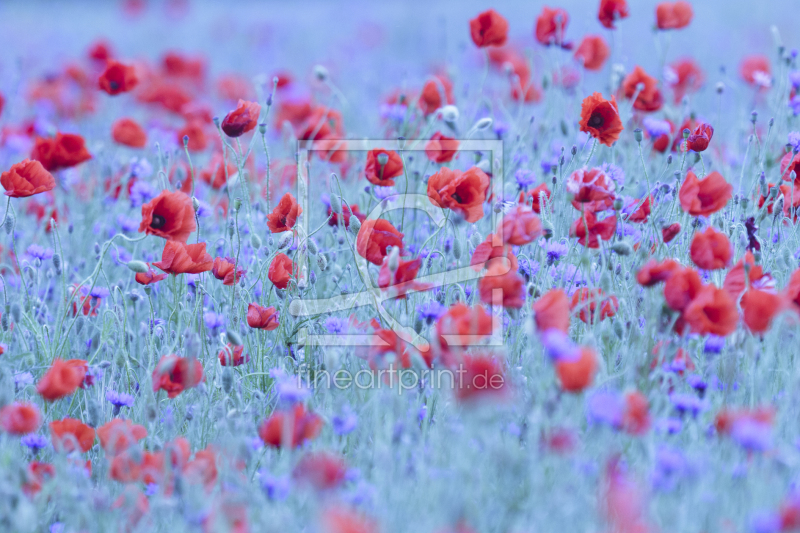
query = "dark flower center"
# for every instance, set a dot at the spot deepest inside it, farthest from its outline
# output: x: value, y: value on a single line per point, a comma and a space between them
x: 114, y: 85
x: 456, y: 197
x: 596, y: 120
x: 158, y: 222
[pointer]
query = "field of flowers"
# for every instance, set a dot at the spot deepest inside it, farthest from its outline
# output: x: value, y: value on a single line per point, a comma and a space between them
x: 334, y: 268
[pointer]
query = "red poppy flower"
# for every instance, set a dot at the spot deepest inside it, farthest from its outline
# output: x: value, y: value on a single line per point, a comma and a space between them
x: 265, y: 318
x: 756, y: 70
x: 462, y: 192
x: 600, y: 119
x: 118, y: 78
x: 462, y: 325
x: 489, y: 29
x: 702, y: 198
x: 535, y: 195
x: 374, y: 237
x: 636, y: 413
x: 217, y: 174
x: 20, y: 418
x: 727, y: 418
x: 382, y: 166
x: 169, y: 215
x: 146, y: 278
x: 684, y: 76
x: 242, y: 119
x: 490, y: 249
x: 681, y: 287
x: 699, y: 139
x: 195, y: 132
x: 611, y: 11
x: 587, y: 301
x: 36, y: 474
x: 670, y: 232
x: 759, y: 308
x: 26, y: 178
x: 179, y: 258
x: 592, y: 52
x: 62, y: 379
x: 480, y: 376
x: 285, y: 214
x: 403, y: 279
x: 520, y: 226
x: 673, y: 15
x: 119, y: 435
x: 342, y: 520
x: 552, y: 311
x: 596, y: 229
x: 711, y: 311
x: 290, y: 427
x: 436, y: 93
x: 551, y: 25
x: 171, y: 96
x: 2, y: 103
x: 321, y: 470
x: 225, y: 269
x: 508, y: 281
x: 280, y: 271
x: 735, y: 282
x: 528, y: 94
x: 577, y: 375
x: 654, y: 272
x: 175, y: 374
x: 441, y: 149
x: 638, y: 83
x: 233, y: 356
x: 62, y: 151
x: 642, y: 212
x: 69, y: 435
x: 710, y: 249
x: 790, y: 162
x: 128, y: 132
x: 347, y: 212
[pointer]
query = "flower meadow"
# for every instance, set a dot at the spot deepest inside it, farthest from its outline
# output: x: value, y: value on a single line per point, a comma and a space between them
x: 483, y: 272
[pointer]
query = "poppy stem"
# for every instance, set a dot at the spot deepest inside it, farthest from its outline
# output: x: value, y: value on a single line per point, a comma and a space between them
x: 591, y: 153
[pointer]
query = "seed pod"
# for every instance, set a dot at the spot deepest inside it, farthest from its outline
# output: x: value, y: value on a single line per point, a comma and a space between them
x: 637, y: 135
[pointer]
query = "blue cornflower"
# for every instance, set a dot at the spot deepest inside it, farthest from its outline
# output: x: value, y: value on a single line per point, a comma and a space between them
x: 655, y: 127
x: 34, y: 442
x: 336, y: 325
x: 141, y: 193
x: 794, y: 140
x: 431, y: 311
x: 39, y: 252
x: 119, y: 400
x: 525, y: 178
x: 213, y: 320
x: 345, y: 422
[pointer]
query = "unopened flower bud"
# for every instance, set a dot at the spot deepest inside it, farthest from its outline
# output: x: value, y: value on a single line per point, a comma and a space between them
x: 449, y: 113
x: 227, y: 380
x: 137, y: 266
x: 285, y: 239
x: 637, y: 135
x: 195, y: 204
x: 255, y: 241
x: 320, y: 72
x: 484, y: 124
x: 312, y: 247
x: 622, y: 248
x: 355, y: 225
x: 617, y: 204
x: 233, y: 337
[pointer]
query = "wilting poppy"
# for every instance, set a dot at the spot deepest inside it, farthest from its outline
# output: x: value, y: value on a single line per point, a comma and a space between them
x: 489, y: 29
x: 576, y: 375
x: 588, y: 301
x: 403, y: 279
x: 462, y: 192
x: 550, y: 26
x: 382, y: 166
x: 290, y: 427
x: 681, y: 287
x: 756, y: 70
x: 436, y: 93
x: 462, y: 325
x: 698, y: 140
x: 441, y: 149
x: 759, y: 308
x: 280, y: 271
x: 118, y: 78
x: 684, y: 76
x: 520, y: 226
x: 119, y: 435
x: 611, y: 11
x: 226, y: 270
x: 169, y: 215
x: 673, y: 15
x: 374, y: 237
x: 62, y: 379
x: 508, y: 281
x: 69, y: 435
x: 242, y: 119
x: 26, y: 178
x: 179, y: 258
x: 62, y: 151
x: 552, y: 311
x: 600, y: 119
x: 233, y: 356
x: 195, y: 132
x: 175, y: 374
x: 670, y: 232
x: 654, y: 272
x: 645, y: 88
x: 710, y: 249
x: 592, y: 52
x: 20, y: 418
x: 588, y: 225
x: 480, y: 376
x: 285, y: 214
x: 704, y: 197
x: 712, y: 311
x: 490, y: 249
x: 265, y: 318
x: 128, y: 132
x: 322, y: 470
x: 146, y: 278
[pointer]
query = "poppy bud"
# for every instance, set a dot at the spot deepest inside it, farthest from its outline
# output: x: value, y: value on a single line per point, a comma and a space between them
x: 483, y: 124
x: 4, y: 321
x: 9, y: 223
x: 320, y: 72
x: 449, y: 113
x: 617, y: 204
x: 669, y: 159
x: 312, y: 247
x: 336, y: 208
x: 457, y: 247
x: 227, y: 380
x: 574, y: 150
x: 186, y: 140
x: 354, y: 226
x: 137, y: 266
x: 754, y: 117
x: 255, y: 241
x: 322, y: 262
x: 57, y: 263
x: 605, y: 281
x: 547, y: 229
x: 637, y: 135
x: 285, y: 240
x: 97, y: 248
x: 233, y: 337
x: 16, y: 312
x: 622, y: 248
x: 475, y: 239
x: 771, y: 122
x: 720, y: 87
x: 744, y: 202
